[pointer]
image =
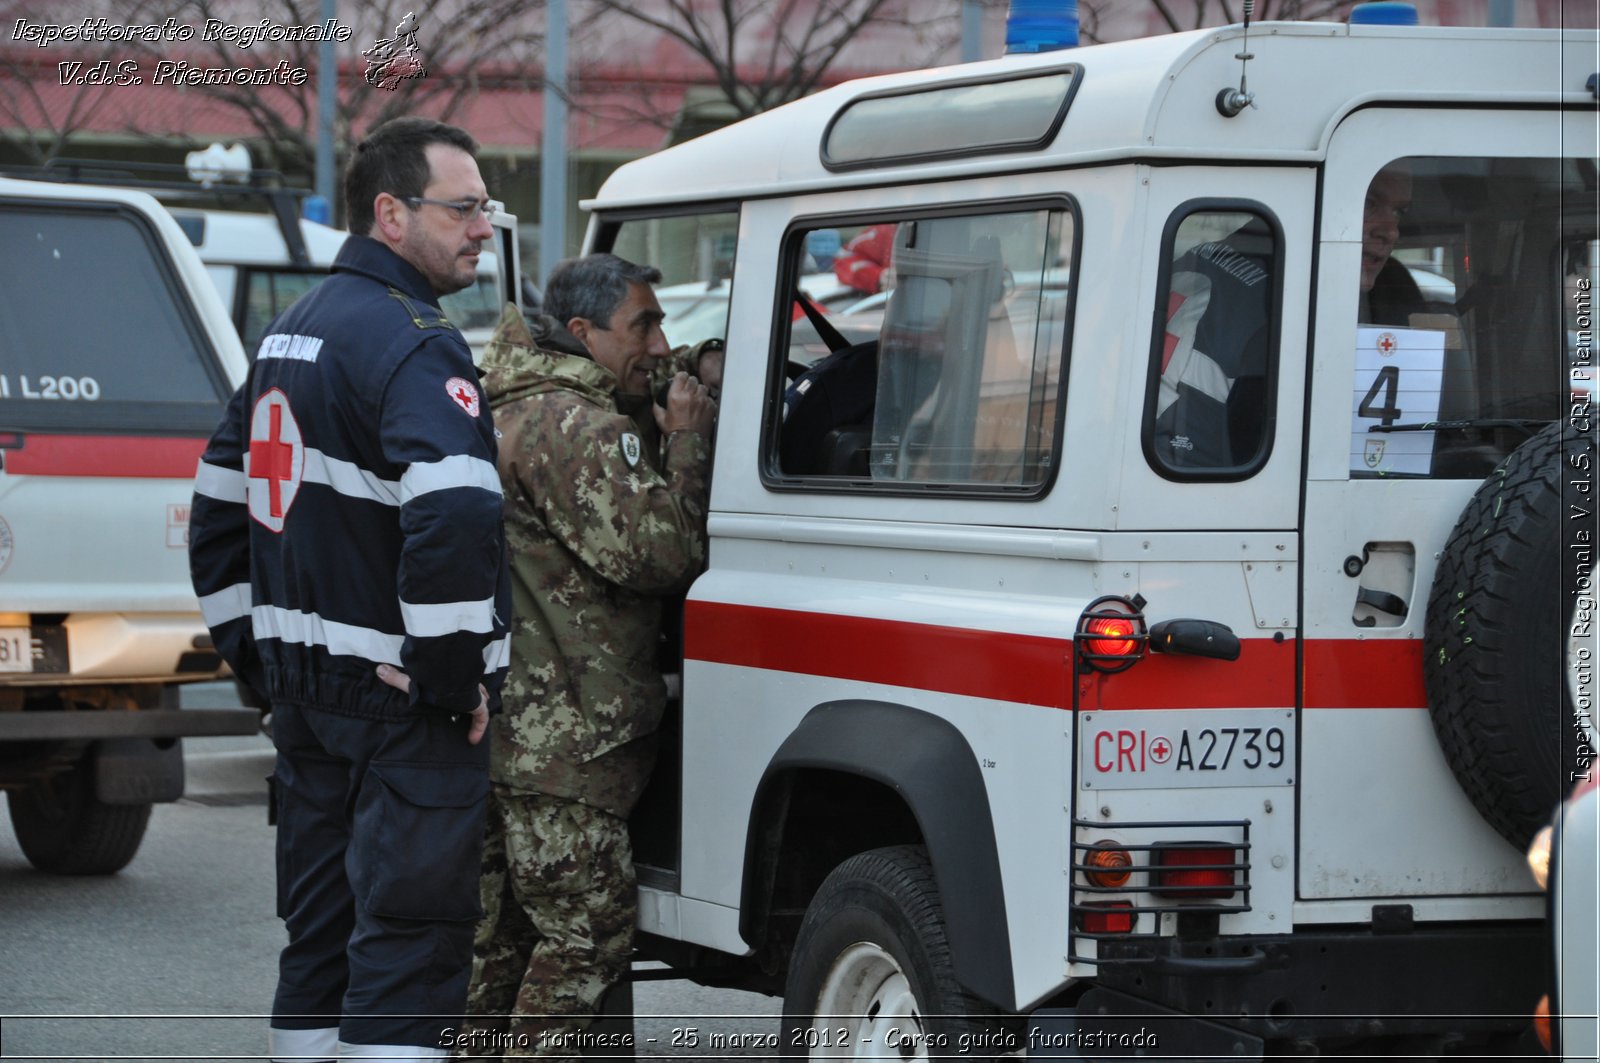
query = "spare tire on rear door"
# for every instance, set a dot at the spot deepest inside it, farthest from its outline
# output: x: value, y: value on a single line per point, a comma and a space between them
x: 1506, y: 644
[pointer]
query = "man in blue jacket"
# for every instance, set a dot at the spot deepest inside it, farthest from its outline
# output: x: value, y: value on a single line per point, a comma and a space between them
x: 347, y: 548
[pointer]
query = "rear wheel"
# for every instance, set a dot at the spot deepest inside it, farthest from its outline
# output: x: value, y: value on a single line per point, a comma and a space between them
x: 870, y: 976
x: 63, y: 828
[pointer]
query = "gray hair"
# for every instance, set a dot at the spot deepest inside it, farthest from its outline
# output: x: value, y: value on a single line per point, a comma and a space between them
x: 592, y: 287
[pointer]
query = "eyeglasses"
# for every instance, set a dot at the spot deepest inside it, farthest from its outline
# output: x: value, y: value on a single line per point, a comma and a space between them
x: 465, y: 210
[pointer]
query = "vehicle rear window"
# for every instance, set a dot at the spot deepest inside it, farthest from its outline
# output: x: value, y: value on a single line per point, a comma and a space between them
x: 96, y: 332
x: 1470, y: 315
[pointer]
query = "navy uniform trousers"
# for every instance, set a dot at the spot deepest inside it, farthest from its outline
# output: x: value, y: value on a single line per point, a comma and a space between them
x: 380, y: 834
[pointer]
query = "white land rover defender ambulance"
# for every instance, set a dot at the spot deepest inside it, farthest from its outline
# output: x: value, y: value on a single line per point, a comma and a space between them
x: 1176, y: 620
x: 116, y: 359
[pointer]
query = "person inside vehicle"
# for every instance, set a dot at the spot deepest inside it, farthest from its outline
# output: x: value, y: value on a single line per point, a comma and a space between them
x: 1215, y: 351
x: 1389, y: 294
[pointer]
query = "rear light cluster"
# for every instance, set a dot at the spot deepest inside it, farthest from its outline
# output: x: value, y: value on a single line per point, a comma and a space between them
x: 1111, y: 634
x: 1195, y: 870
x: 1106, y: 917
x: 1156, y: 876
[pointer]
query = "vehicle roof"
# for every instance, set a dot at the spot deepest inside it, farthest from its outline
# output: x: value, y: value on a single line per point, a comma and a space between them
x: 247, y: 239
x: 1149, y: 98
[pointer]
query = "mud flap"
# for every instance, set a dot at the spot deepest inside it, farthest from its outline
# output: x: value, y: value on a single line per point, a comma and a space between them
x: 137, y: 771
x: 1111, y: 1025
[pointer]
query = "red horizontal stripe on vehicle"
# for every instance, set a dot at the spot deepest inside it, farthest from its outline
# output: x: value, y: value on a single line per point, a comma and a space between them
x: 984, y: 664
x: 1028, y: 669
x: 1364, y: 674
x: 1031, y: 670
x: 63, y: 455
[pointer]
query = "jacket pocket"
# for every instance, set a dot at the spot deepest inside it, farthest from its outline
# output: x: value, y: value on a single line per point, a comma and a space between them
x: 422, y: 828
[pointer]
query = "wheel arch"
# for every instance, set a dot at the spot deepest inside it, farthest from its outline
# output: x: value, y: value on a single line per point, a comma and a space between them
x: 917, y: 771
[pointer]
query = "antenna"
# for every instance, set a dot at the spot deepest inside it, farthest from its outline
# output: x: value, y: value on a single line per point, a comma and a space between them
x: 1232, y: 101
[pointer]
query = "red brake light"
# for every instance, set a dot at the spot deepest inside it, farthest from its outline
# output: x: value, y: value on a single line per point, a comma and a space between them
x: 1116, y: 636
x: 1193, y: 871
x: 1541, y: 1024
x: 1106, y: 917
x: 1111, y: 634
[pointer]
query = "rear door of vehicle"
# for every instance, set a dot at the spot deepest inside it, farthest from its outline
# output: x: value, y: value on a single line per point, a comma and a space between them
x: 1486, y: 240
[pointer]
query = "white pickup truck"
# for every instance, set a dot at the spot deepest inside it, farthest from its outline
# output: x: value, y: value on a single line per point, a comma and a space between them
x: 116, y: 358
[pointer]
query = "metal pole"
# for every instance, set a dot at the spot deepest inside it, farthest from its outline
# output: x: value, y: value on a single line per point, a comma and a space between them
x: 327, y: 86
x: 553, y: 160
x: 971, y: 31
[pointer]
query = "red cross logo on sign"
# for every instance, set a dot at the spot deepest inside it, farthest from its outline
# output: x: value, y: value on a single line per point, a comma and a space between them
x: 463, y: 393
x: 1160, y: 751
x: 277, y: 460
x: 1387, y: 344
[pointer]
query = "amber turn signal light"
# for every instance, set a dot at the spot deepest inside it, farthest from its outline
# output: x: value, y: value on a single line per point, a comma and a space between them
x: 1107, y: 865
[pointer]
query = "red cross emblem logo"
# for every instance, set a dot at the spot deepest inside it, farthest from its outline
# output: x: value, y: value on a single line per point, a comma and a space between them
x: 463, y: 393
x: 1160, y: 751
x: 1387, y: 344
x: 277, y: 460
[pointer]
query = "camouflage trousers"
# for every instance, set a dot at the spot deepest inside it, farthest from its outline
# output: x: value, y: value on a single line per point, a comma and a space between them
x: 559, y: 908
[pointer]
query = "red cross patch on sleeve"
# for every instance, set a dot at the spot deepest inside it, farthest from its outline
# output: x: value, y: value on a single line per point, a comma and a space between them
x: 463, y: 393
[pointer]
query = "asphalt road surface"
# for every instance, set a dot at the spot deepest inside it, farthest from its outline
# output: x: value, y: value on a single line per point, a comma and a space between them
x: 174, y: 957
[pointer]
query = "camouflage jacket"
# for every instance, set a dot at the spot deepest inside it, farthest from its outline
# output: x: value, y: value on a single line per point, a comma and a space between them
x: 600, y: 529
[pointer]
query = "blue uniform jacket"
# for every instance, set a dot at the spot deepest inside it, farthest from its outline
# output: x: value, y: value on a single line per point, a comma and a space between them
x: 347, y: 512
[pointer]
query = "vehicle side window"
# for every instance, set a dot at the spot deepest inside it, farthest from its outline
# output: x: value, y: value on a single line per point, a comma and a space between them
x: 933, y: 353
x: 694, y: 253
x: 140, y: 361
x: 268, y: 293
x: 476, y: 307
x: 1208, y: 413
x: 1465, y: 336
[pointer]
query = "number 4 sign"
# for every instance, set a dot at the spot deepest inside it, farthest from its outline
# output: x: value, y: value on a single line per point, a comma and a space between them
x: 1399, y: 374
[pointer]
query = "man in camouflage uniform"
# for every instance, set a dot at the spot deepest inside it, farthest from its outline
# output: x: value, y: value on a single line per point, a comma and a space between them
x: 603, y: 521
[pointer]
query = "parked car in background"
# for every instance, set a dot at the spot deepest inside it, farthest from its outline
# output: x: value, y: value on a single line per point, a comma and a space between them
x: 258, y: 274
x: 262, y: 255
x: 698, y: 310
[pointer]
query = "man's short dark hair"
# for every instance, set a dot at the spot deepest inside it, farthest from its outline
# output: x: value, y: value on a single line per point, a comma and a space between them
x: 393, y: 159
x: 592, y: 287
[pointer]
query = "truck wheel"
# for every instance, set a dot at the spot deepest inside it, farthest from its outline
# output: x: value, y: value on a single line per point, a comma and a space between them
x: 65, y: 830
x: 1502, y: 618
x: 870, y: 975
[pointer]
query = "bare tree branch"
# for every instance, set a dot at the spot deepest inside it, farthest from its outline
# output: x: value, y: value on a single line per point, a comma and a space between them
x: 461, y: 43
x: 761, y: 54
x: 28, y: 121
